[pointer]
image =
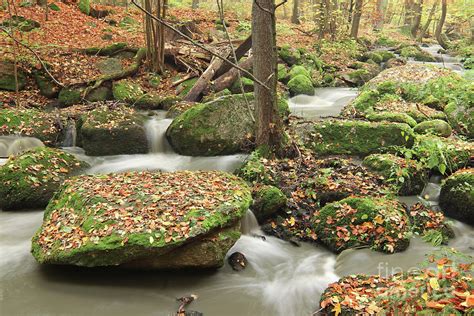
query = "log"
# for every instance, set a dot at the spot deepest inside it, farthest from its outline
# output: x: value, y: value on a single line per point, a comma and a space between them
x: 226, y: 80
x: 196, y: 92
x: 240, y: 52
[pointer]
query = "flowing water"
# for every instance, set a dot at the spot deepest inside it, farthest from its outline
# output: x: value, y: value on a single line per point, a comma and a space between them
x: 443, y: 60
x: 325, y: 102
x: 280, y: 279
x: 14, y: 145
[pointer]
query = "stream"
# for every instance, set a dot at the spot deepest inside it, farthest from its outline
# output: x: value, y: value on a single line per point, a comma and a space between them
x: 281, y: 279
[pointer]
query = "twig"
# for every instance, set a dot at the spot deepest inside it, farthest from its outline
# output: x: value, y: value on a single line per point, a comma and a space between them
x: 280, y: 4
x: 189, y: 76
x: 36, y: 55
x: 198, y: 44
x: 263, y: 9
x: 307, y: 33
x: 220, y: 7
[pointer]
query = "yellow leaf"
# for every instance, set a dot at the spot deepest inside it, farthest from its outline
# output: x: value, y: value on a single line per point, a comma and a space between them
x: 425, y: 296
x: 292, y: 221
x: 337, y: 309
x: 434, y: 284
x: 378, y: 219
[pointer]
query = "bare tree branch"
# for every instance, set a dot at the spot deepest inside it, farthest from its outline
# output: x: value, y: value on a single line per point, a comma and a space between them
x: 263, y: 9
x: 280, y: 4
x: 34, y: 53
x: 171, y: 27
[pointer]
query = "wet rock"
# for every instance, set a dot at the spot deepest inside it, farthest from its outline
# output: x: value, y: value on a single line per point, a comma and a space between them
x: 457, y: 196
x: 45, y: 126
x: 237, y: 261
x: 435, y: 127
x: 363, y: 74
x: 113, y: 131
x: 405, y: 174
x: 30, y: 179
x: 353, y: 137
x: 267, y: 201
x: 14, y: 145
x: 132, y: 93
x: 178, y: 108
x: 300, y: 84
x: 70, y: 96
x: 110, y: 66
x: 416, y: 53
x: 100, y: 94
x: 220, y: 127
x: 7, y: 77
x: 144, y: 220
x: 379, y: 223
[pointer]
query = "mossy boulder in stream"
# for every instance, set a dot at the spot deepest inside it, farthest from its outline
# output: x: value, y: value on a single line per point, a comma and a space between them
x: 30, y: 179
x: 45, y: 126
x: 220, y: 127
x: 7, y: 77
x: 380, y: 223
x: 407, y: 176
x: 353, y: 137
x: 416, y: 53
x: 267, y: 201
x: 146, y: 220
x: 300, y: 84
x: 289, y: 55
x: 457, y: 196
x: 113, y: 130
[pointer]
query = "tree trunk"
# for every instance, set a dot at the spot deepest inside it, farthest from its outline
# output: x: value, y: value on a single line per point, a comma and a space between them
x: 379, y: 15
x: 269, y: 126
x: 439, y: 28
x: 356, y: 18
x: 295, y: 17
x: 409, y: 12
x: 417, y: 13
x: 154, y: 35
x: 427, y: 23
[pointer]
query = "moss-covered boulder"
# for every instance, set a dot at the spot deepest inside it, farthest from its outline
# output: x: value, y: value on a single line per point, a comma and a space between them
x: 289, y: 55
x: 406, y: 175
x: 410, y: 73
x: 132, y: 93
x: 110, y: 66
x: 70, y: 96
x: 430, y: 224
x: 445, y: 155
x: 29, y: 180
x: 113, y: 131
x: 7, y: 77
x: 245, y: 83
x: 353, y: 137
x: 178, y: 108
x: 416, y: 53
x: 361, y: 75
x: 457, y: 196
x: 357, y: 221
x: 267, y: 201
x: 283, y: 75
x: 220, y: 127
x: 391, y: 117
x: 461, y: 115
x: 30, y: 122
x: 46, y: 86
x: 144, y: 220
x: 21, y: 23
x: 100, y: 94
x: 300, y: 84
x: 435, y: 127
x: 299, y: 70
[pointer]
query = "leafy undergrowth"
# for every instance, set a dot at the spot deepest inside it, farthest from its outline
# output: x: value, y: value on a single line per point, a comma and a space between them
x: 143, y: 208
x: 411, y: 73
x: 430, y: 224
x: 447, y: 289
x: 310, y: 183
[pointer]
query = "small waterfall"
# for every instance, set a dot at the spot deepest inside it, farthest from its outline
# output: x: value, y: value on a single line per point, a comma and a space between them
x: 155, y: 130
x: 71, y: 134
x: 249, y: 224
x: 14, y: 145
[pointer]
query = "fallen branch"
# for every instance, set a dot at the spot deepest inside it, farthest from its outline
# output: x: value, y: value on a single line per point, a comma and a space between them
x: 36, y: 55
x: 224, y: 59
x: 178, y: 82
x: 226, y: 80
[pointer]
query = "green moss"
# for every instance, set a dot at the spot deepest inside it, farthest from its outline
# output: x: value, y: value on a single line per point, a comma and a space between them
x: 365, y: 101
x: 54, y: 7
x: 407, y: 176
x: 354, y: 137
x: 186, y: 86
x: 461, y: 117
x: 85, y: 6
x: 391, y: 117
x: 416, y: 53
x: 130, y: 92
x: 100, y: 94
x: 127, y: 22
x: 435, y: 127
x: 386, y: 55
x: 282, y: 73
x: 299, y: 70
x: 289, y: 55
x: 267, y: 201
x: 7, y: 77
x: 47, y: 87
x: 375, y: 57
x: 69, y: 96
x: 247, y: 84
x: 335, y: 224
x: 457, y: 196
x: 30, y: 180
x: 300, y: 84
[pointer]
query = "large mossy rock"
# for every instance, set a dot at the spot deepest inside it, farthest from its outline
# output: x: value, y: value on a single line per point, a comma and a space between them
x: 21, y: 23
x: 406, y: 175
x: 267, y: 201
x: 70, y: 96
x: 143, y: 219
x: 457, y: 196
x: 435, y: 127
x: 30, y: 179
x: 364, y: 73
x: 30, y: 122
x: 289, y: 55
x: 45, y: 84
x: 113, y: 131
x: 300, y: 84
x: 461, y: 114
x: 220, y: 127
x: 357, y: 221
x: 353, y: 137
x: 7, y: 77
x: 132, y: 93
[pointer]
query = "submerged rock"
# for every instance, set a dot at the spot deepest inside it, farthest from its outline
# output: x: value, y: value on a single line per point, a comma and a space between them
x: 379, y: 223
x: 353, y: 137
x: 220, y: 127
x: 30, y: 179
x: 113, y: 131
x: 300, y: 84
x: 406, y: 175
x: 143, y: 220
x: 238, y: 261
x: 457, y: 196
